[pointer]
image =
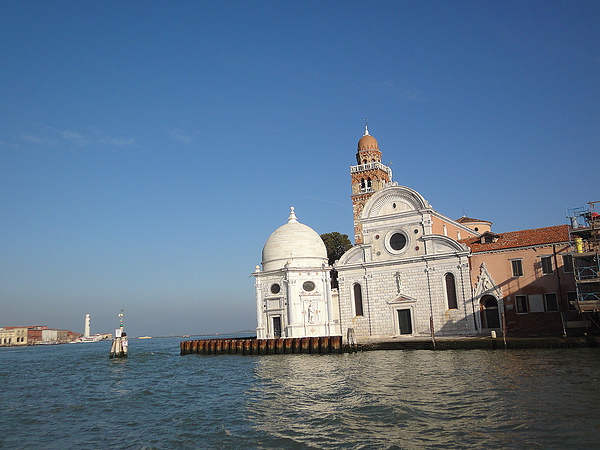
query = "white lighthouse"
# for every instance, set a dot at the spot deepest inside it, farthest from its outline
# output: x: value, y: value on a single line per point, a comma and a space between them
x: 86, y: 326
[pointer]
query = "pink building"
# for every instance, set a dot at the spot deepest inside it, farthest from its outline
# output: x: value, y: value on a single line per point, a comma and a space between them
x: 527, y: 276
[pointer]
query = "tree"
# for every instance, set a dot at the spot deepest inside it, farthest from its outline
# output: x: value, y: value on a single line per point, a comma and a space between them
x: 336, y: 244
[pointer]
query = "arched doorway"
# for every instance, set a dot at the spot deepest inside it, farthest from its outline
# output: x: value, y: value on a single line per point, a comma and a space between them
x: 488, y: 308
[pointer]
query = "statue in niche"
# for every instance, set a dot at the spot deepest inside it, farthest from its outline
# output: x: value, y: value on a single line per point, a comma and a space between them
x: 311, y: 314
x: 399, y: 281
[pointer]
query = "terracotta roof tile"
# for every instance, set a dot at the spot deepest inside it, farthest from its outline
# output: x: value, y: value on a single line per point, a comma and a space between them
x: 524, y: 238
x: 465, y: 219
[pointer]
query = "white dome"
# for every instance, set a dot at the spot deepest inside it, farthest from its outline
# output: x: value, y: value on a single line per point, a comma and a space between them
x: 296, y: 244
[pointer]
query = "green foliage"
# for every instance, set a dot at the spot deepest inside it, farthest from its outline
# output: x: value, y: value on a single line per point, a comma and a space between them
x: 336, y: 244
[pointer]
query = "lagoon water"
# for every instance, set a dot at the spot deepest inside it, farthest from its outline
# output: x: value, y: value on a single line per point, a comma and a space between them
x: 73, y: 396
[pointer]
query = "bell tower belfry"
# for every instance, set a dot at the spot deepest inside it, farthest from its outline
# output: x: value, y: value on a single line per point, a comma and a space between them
x: 368, y: 177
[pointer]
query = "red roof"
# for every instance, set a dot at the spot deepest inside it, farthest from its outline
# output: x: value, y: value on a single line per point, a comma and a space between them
x: 524, y: 238
x: 465, y: 219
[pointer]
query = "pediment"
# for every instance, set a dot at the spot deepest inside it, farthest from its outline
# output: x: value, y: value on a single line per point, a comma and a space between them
x: 355, y: 255
x: 442, y: 244
x: 485, y: 284
x: 393, y: 200
x: 402, y: 298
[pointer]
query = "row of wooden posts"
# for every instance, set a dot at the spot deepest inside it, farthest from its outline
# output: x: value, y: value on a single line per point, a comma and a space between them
x: 321, y: 344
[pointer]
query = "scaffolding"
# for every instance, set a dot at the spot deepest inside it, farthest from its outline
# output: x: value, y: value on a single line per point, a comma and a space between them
x: 584, y: 234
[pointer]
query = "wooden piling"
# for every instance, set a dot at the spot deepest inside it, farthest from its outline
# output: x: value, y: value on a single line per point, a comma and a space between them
x: 239, y: 347
x: 314, y: 345
x: 118, y: 348
x: 304, y: 345
x: 253, y: 346
x: 324, y: 344
x: 336, y: 344
x: 262, y: 347
x: 279, y: 347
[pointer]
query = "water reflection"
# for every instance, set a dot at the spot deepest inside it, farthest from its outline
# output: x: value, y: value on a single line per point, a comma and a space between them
x: 409, y: 399
x: 74, y: 396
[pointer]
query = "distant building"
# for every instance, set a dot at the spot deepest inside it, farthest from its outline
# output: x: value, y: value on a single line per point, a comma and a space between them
x: 10, y: 336
x: 33, y: 335
x: 86, y: 326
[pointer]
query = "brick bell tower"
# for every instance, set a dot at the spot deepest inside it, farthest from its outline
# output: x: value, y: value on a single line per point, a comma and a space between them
x: 368, y: 177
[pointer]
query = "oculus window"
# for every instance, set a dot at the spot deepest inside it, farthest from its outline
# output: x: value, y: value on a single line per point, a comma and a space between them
x: 308, y: 286
x: 396, y: 242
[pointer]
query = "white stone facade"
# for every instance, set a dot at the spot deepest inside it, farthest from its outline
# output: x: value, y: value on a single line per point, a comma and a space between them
x: 293, y: 288
x: 402, y: 271
x: 403, y: 281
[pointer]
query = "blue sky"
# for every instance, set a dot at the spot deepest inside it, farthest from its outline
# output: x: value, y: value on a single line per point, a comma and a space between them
x: 148, y: 149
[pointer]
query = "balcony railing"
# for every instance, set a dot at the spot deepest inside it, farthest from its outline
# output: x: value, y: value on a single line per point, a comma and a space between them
x: 370, y: 166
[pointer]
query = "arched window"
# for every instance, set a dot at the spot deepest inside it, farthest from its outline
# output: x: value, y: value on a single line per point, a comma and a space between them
x: 358, y: 303
x: 451, y: 291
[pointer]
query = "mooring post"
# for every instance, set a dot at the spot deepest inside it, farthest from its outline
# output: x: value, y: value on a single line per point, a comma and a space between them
x: 120, y: 344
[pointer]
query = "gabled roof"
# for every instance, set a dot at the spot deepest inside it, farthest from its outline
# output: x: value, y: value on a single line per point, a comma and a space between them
x: 524, y: 238
x: 465, y: 219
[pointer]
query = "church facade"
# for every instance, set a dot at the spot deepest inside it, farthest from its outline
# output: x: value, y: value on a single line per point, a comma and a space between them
x: 404, y: 280
x: 407, y: 276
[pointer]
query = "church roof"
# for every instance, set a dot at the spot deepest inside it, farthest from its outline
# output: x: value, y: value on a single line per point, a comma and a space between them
x: 465, y: 219
x: 293, y: 244
x: 524, y: 238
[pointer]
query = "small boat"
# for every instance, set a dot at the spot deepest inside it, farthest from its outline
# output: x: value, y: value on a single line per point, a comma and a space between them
x: 95, y: 338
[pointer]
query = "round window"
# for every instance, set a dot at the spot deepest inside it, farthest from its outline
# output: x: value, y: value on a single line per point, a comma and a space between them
x: 275, y: 288
x: 397, y: 241
x: 308, y: 286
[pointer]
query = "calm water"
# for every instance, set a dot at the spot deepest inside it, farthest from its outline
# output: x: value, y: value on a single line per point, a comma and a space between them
x: 73, y: 396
